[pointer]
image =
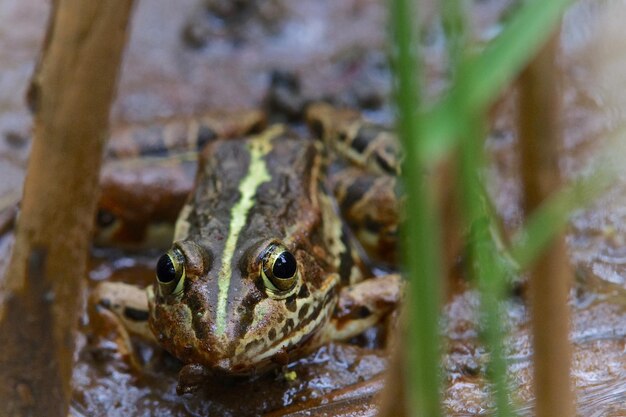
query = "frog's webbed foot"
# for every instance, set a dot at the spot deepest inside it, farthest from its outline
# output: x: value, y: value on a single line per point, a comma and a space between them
x: 122, y: 310
x: 363, y: 305
x: 190, y: 378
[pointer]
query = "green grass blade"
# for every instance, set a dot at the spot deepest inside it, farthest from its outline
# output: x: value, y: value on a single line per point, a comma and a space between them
x: 420, y: 231
x: 487, y: 265
x: 552, y: 217
x: 506, y: 56
x: 477, y: 82
x: 486, y: 75
x: 455, y: 28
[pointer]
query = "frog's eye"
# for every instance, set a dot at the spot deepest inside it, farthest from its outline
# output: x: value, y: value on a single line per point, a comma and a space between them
x: 279, y: 268
x: 170, y: 272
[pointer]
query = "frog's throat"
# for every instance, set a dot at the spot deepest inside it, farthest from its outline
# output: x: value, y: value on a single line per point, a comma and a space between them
x: 257, y: 174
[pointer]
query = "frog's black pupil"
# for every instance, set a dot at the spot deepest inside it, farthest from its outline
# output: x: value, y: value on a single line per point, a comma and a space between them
x: 165, y: 269
x: 284, y: 266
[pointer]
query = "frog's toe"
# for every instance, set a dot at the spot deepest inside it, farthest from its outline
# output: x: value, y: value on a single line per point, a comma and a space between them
x: 128, y: 303
x: 362, y: 305
x: 190, y: 378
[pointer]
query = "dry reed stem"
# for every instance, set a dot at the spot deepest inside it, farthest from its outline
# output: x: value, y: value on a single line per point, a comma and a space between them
x: 70, y: 95
x: 550, y: 276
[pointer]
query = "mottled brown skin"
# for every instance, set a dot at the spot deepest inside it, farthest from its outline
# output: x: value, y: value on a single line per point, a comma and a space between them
x: 363, y: 177
x: 150, y: 168
x: 288, y: 209
x: 366, y: 145
x: 370, y: 206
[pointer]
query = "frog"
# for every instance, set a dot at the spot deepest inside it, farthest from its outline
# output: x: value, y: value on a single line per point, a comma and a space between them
x: 263, y: 268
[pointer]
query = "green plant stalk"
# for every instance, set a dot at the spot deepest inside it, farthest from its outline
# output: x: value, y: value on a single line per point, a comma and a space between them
x: 492, y: 287
x: 487, y: 268
x: 487, y: 74
x: 455, y: 28
x: 552, y: 216
x: 421, y: 243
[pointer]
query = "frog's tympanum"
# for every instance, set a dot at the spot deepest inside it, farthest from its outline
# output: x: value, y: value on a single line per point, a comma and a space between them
x: 265, y: 264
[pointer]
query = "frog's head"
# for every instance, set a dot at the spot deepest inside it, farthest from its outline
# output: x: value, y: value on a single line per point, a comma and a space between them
x: 247, y: 282
x: 237, y: 319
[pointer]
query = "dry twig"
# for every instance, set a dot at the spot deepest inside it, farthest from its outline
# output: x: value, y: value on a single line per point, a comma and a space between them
x: 70, y: 96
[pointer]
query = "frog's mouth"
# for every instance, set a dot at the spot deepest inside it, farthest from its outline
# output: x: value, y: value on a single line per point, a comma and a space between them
x: 287, y: 339
x: 261, y: 347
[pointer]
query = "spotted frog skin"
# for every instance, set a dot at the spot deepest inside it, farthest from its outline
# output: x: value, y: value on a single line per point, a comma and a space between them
x: 263, y: 268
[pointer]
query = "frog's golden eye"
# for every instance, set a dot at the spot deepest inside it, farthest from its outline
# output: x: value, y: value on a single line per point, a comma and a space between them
x: 170, y: 272
x: 279, y: 268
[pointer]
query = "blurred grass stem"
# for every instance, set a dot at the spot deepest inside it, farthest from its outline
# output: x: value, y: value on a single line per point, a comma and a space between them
x: 421, y: 239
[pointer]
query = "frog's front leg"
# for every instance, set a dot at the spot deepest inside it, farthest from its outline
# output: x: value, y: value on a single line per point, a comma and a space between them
x: 122, y: 309
x: 364, y: 304
x: 125, y: 308
x: 128, y: 303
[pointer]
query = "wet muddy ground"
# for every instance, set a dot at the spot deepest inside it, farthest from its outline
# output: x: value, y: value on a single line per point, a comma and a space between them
x: 184, y: 58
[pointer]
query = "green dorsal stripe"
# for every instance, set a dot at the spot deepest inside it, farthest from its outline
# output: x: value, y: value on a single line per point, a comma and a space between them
x: 257, y: 174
